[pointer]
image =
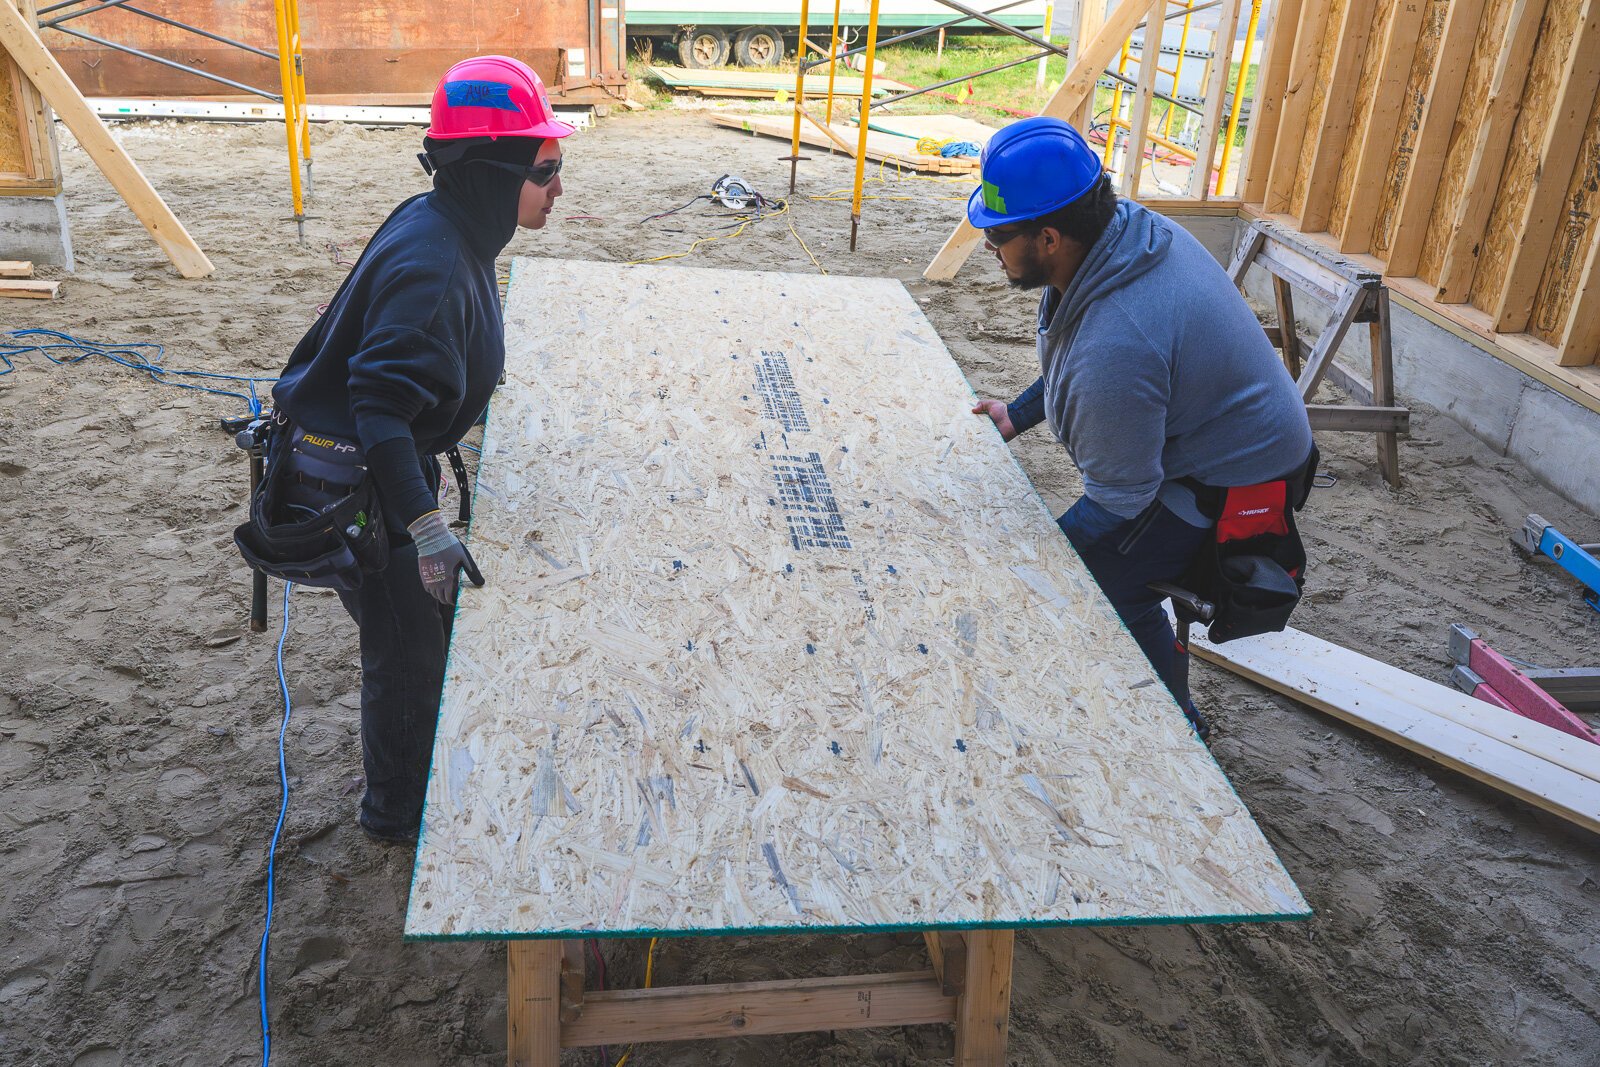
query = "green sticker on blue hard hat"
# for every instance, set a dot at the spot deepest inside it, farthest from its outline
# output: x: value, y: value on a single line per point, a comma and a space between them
x: 992, y: 198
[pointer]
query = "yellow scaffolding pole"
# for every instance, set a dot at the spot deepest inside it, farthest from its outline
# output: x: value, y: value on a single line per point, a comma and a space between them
x: 1177, y: 71
x: 799, y: 94
x: 1116, y: 104
x: 861, y: 117
x: 1238, y: 92
x: 833, y: 61
x: 297, y: 129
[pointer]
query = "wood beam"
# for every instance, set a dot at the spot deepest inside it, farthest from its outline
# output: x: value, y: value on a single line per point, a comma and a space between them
x: 741, y: 1009
x: 1143, y: 96
x: 1339, y: 98
x: 1077, y: 87
x: 1271, y: 78
x: 1558, y: 155
x: 1438, y: 118
x: 1378, y: 140
x: 983, y: 1017
x: 533, y: 1003
x: 1296, y: 105
x: 1359, y: 418
x: 1482, y: 180
x: 1580, y: 341
x: 19, y: 38
x: 1200, y: 179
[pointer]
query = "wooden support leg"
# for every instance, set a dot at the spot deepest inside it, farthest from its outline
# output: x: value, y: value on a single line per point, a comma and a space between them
x: 1288, y: 334
x: 1383, y: 387
x: 533, y: 1003
x: 984, y: 1013
x: 574, y: 968
x: 1350, y: 303
x: 948, y: 950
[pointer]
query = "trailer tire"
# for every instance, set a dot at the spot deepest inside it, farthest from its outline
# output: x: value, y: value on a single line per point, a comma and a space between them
x: 758, y: 46
x: 701, y: 47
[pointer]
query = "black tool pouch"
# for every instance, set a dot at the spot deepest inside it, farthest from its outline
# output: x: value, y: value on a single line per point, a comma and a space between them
x: 316, y: 518
x: 1253, y: 567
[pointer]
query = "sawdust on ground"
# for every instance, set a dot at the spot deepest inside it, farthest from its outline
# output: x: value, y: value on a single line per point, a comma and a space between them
x: 138, y: 721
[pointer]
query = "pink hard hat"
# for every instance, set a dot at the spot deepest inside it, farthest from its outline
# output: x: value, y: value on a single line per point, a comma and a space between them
x: 492, y: 96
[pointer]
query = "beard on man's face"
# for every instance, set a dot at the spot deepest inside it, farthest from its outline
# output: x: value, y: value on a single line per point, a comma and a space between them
x: 1030, y: 273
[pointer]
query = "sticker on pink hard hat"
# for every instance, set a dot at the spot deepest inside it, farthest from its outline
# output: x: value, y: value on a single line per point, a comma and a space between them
x: 492, y: 96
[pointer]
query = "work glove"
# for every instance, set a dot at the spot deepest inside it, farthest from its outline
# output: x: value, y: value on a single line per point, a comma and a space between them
x: 441, y: 557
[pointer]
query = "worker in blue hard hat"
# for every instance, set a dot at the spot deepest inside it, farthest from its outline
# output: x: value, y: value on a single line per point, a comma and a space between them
x: 1160, y: 382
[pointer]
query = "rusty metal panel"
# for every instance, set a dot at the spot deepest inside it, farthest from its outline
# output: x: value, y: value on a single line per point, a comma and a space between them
x: 394, y: 51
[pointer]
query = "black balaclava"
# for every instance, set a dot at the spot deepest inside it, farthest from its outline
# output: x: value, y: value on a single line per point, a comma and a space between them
x: 485, y: 198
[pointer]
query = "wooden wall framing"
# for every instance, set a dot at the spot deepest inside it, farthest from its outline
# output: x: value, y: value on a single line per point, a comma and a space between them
x: 1453, y: 143
x: 29, y: 165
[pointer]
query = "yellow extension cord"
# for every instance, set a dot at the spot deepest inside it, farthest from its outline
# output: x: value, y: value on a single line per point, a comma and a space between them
x: 649, y: 973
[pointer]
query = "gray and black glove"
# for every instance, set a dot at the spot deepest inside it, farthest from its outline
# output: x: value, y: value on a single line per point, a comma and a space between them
x: 441, y: 557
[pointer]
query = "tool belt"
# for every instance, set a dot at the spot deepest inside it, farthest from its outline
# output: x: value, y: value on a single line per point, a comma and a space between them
x: 315, y: 519
x: 1253, y: 568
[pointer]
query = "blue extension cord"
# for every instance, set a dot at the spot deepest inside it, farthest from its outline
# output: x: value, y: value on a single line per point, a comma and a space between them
x: 131, y: 355
x: 272, y: 850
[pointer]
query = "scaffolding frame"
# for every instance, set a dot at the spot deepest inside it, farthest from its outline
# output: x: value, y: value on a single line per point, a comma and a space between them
x: 290, y: 58
x: 1214, y: 77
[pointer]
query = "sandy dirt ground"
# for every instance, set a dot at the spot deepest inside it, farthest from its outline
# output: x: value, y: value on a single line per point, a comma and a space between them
x: 139, y: 719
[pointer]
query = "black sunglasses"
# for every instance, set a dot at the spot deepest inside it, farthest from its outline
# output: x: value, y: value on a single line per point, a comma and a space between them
x: 997, y: 237
x: 540, y: 174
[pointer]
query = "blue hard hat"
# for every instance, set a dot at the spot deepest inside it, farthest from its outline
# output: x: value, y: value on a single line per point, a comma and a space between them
x: 1031, y: 168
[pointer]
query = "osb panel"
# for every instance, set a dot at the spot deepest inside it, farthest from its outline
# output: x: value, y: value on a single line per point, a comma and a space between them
x: 1422, y: 63
x: 1521, y: 168
x: 778, y: 636
x: 1572, y: 241
x: 1361, y: 116
x: 1319, y: 104
x: 1458, y: 157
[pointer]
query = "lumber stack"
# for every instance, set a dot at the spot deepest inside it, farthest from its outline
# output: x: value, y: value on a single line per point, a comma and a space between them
x: 1533, y: 762
x: 16, y: 280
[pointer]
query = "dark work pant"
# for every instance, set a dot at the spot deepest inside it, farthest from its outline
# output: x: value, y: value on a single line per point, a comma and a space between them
x: 1124, y: 564
x: 404, y: 635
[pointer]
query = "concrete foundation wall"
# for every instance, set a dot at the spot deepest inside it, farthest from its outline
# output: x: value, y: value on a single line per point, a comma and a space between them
x: 35, y: 228
x: 1556, y: 438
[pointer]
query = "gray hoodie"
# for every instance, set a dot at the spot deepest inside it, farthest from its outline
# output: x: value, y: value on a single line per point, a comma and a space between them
x: 1154, y: 368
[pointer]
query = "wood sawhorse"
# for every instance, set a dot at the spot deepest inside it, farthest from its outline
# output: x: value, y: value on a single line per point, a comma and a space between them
x: 1356, y: 295
x: 968, y: 985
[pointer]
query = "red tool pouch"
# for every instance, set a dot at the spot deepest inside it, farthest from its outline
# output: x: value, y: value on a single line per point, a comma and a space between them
x: 1253, y: 568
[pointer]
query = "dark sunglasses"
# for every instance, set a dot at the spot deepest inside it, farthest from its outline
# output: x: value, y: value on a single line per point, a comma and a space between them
x: 997, y: 237
x: 540, y: 174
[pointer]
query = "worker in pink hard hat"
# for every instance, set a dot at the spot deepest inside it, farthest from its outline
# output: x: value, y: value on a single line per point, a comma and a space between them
x: 394, y: 374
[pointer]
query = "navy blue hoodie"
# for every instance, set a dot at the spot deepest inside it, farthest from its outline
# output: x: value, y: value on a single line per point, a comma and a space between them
x: 410, y: 349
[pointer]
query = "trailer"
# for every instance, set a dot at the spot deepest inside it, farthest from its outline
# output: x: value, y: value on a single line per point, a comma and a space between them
x: 761, y: 33
x: 391, y: 53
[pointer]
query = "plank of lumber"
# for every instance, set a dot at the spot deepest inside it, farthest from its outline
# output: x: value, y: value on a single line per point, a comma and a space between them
x: 1441, y: 103
x: 533, y: 1003
x: 666, y: 719
x: 1580, y: 341
x: 1368, y: 418
x: 1530, y: 761
x: 1265, y: 111
x: 19, y: 38
x: 885, y: 147
x: 984, y: 1014
x: 1075, y: 88
x: 744, y: 1009
x: 1298, y: 91
x: 16, y: 268
x: 1482, y: 179
x: 28, y: 290
x: 1377, y: 141
x: 1339, y: 102
x: 1143, y: 96
x: 1558, y: 154
x: 1200, y: 175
